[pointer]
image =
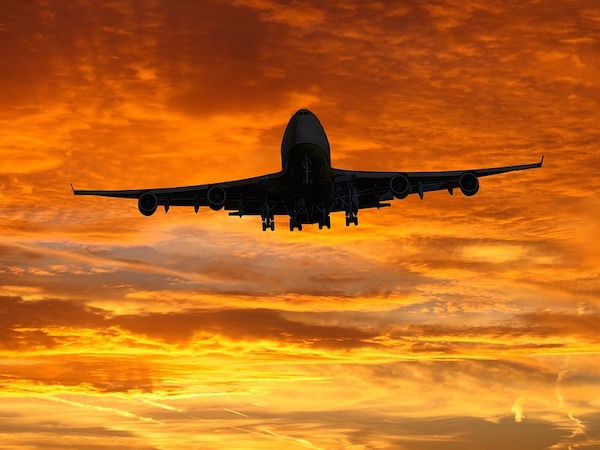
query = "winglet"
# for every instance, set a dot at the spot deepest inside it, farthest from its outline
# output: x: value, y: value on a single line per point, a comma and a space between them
x: 72, y: 188
x: 541, y: 161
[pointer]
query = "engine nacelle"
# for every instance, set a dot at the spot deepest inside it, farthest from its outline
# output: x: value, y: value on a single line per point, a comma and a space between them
x: 216, y: 197
x: 468, y: 184
x: 400, y: 186
x: 147, y: 203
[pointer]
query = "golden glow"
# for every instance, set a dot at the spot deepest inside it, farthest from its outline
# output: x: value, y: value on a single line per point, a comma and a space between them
x: 440, y: 323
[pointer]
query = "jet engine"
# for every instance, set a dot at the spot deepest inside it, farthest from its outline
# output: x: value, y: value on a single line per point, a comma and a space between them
x: 400, y: 186
x: 216, y: 197
x: 147, y: 203
x: 468, y: 184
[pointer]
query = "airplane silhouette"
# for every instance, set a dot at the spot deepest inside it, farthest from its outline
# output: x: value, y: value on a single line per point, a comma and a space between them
x: 308, y: 188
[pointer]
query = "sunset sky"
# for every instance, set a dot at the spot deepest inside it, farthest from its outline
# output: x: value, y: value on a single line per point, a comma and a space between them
x: 443, y: 324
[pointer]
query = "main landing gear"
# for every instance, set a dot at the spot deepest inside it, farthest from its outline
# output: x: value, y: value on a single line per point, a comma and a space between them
x: 295, y: 223
x: 268, y: 223
x: 351, y: 217
x: 324, y: 222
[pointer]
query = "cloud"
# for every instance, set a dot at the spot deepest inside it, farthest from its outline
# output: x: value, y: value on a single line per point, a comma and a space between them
x: 550, y: 323
x: 23, y: 324
x: 48, y: 373
x: 180, y: 262
x: 517, y: 409
x: 416, y: 326
x: 241, y: 325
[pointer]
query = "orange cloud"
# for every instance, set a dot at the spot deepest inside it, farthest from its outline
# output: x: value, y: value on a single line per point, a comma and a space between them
x: 418, y: 329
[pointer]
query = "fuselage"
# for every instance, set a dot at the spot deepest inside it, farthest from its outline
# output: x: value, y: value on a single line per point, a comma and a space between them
x: 308, y: 178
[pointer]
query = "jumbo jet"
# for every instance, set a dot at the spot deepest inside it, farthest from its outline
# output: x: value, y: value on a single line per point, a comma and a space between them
x: 308, y: 188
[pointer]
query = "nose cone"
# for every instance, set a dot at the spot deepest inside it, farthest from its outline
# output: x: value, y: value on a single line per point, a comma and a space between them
x: 303, y: 112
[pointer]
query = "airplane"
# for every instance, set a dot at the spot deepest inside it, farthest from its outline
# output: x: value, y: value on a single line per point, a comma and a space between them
x: 307, y: 188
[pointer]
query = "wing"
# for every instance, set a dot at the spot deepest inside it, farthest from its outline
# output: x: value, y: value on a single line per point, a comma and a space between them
x: 245, y: 197
x: 358, y: 190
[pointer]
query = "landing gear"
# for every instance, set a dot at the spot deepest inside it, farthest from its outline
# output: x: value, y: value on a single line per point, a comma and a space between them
x: 324, y: 222
x: 266, y: 212
x: 294, y: 223
x: 349, y: 201
x: 268, y: 223
x: 351, y: 217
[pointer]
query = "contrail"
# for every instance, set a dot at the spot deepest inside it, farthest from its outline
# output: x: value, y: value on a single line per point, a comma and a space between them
x: 163, y: 406
x: 118, y: 412
x: 298, y: 441
x: 235, y: 412
x: 259, y: 431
